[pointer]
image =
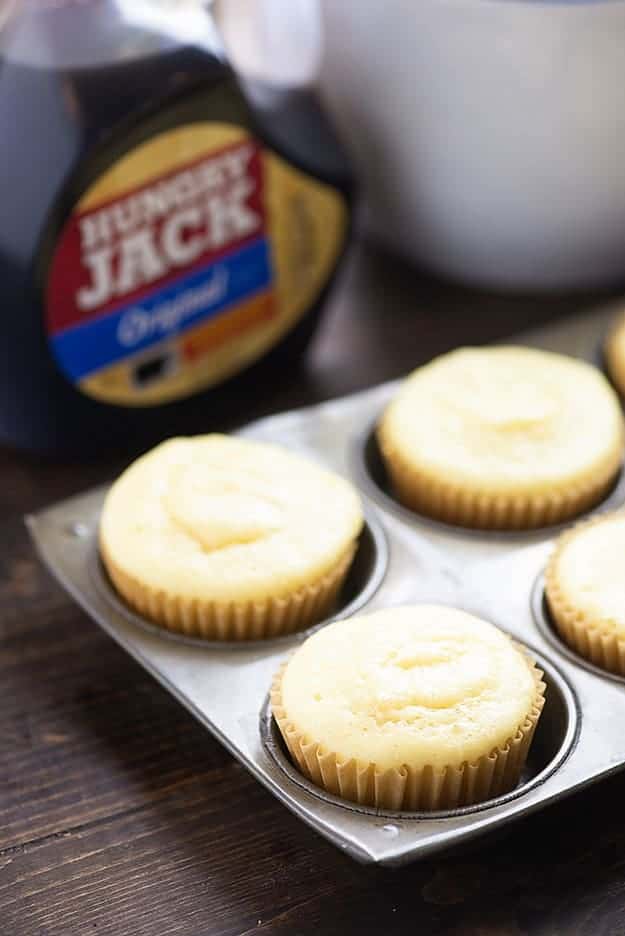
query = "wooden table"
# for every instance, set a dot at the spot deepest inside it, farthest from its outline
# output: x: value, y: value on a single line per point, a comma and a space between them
x: 120, y: 815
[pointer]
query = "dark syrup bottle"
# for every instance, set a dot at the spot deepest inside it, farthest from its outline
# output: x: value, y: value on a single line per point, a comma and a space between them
x: 166, y: 229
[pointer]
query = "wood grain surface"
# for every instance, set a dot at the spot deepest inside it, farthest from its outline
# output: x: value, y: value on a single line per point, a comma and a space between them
x: 120, y: 815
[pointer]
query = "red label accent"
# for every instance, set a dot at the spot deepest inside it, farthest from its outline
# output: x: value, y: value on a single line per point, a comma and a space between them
x: 139, y: 242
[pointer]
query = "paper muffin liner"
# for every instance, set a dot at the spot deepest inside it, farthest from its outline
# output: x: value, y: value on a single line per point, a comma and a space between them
x: 593, y: 639
x: 436, y: 497
x: 217, y: 620
x: 615, y: 360
x: 411, y: 788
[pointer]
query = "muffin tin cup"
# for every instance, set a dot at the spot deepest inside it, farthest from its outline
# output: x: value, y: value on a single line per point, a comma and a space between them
x: 547, y: 626
x: 491, y: 574
x: 363, y: 578
x: 407, y: 788
x: 554, y: 737
x: 369, y: 470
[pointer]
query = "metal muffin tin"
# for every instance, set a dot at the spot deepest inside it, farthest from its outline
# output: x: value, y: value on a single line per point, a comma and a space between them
x: 402, y: 558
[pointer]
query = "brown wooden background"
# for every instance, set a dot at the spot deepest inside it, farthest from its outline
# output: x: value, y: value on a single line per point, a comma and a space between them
x: 120, y: 815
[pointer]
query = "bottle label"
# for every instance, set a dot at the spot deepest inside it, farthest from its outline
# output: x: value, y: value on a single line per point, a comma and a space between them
x: 187, y: 260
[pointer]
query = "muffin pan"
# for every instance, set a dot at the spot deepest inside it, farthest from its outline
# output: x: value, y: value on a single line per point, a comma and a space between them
x: 402, y: 558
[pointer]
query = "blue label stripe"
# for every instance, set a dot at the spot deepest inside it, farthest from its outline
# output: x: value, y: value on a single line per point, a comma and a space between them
x: 85, y: 348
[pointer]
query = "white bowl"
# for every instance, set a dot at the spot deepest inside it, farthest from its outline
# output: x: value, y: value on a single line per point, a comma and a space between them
x: 489, y: 134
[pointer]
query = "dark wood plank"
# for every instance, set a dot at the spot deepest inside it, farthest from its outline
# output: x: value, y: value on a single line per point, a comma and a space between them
x: 120, y: 815
x: 219, y: 856
x: 87, y: 734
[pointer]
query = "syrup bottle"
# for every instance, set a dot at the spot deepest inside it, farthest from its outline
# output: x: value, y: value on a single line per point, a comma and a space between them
x: 164, y: 225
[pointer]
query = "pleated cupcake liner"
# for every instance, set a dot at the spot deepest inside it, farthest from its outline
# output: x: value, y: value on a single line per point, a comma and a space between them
x: 410, y: 788
x: 593, y: 639
x: 615, y: 362
x: 220, y: 620
x: 442, y: 500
